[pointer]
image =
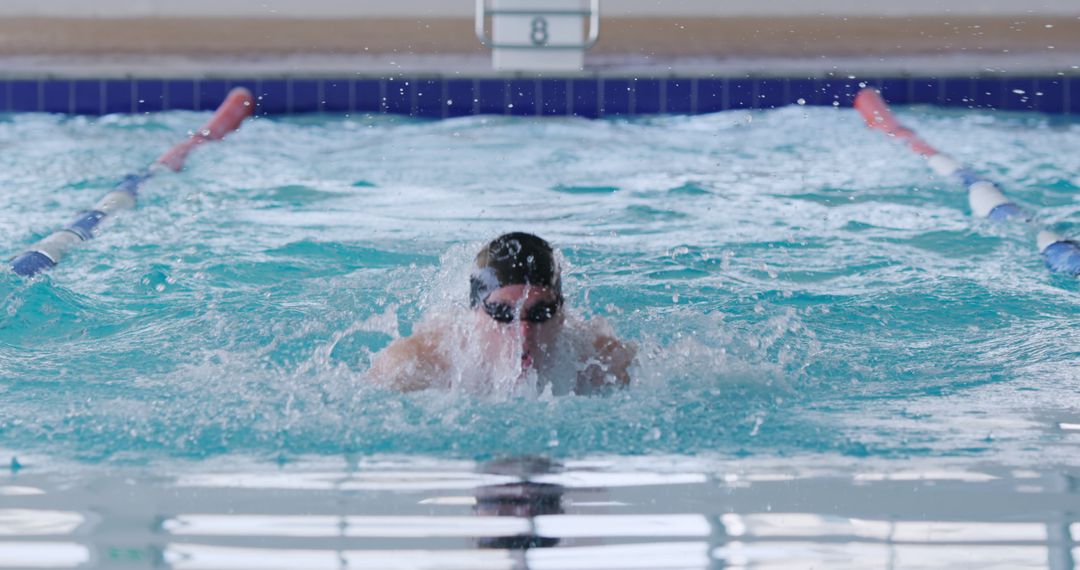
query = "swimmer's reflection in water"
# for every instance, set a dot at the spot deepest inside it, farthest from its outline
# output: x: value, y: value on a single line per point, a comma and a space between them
x: 524, y: 499
x: 516, y: 337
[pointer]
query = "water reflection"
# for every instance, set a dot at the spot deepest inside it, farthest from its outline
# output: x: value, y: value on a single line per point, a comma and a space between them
x: 532, y: 513
x: 42, y: 555
x: 33, y: 522
x: 522, y: 499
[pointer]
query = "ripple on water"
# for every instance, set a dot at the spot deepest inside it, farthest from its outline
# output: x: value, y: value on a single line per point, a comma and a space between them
x: 785, y: 301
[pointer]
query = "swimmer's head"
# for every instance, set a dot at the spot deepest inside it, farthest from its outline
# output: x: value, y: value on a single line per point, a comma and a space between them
x: 516, y: 258
x: 516, y: 290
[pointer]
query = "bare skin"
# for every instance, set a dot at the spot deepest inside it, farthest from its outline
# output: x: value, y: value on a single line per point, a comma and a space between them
x: 414, y: 362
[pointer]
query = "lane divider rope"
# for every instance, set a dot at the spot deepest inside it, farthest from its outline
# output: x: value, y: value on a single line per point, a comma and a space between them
x: 986, y: 198
x: 45, y: 254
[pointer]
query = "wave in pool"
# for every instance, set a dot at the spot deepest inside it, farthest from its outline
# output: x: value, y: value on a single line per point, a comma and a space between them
x: 796, y: 286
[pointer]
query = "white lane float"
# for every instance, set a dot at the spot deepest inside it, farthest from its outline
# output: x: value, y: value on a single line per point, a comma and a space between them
x: 236, y: 107
x: 984, y: 196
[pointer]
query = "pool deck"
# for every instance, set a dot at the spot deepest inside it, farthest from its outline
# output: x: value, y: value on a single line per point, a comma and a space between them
x: 435, y: 67
x: 312, y: 65
x: 737, y: 45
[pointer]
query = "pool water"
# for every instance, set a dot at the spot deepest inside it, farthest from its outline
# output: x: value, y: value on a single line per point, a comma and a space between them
x: 822, y: 330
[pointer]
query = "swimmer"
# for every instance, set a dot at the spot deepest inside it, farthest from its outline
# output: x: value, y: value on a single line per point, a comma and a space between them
x: 515, y: 332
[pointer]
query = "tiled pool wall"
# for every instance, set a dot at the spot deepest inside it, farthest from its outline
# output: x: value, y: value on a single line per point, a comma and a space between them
x: 591, y: 96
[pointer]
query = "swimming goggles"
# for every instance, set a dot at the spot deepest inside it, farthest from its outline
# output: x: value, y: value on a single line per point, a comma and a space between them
x: 538, y: 313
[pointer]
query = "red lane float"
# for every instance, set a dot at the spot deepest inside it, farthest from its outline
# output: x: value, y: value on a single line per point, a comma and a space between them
x: 236, y: 107
x: 985, y: 197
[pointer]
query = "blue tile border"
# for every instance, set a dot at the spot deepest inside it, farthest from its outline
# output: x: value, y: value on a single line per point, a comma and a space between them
x: 957, y: 92
x: 87, y: 97
x: 522, y: 97
x: 367, y: 95
x: 618, y: 98
x: 839, y: 91
x: 304, y: 96
x: 987, y: 93
x: 710, y: 95
x: 397, y: 96
x: 1072, y: 96
x: 1019, y: 95
x: 336, y: 96
x: 648, y: 96
x: 926, y: 91
x: 119, y: 97
x: 209, y: 94
x: 1051, y: 96
x: 23, y: 95
x: 772, y: 93
x: 460, y: 97
x: 896, y: 90
x: 588, y: 96
x: 585, y: 97
x: 554, y: 97
x: 430, y: 100
x: 490, y: 97
x: 272, y: 98
x: 56, y: 96
x: 742, y: 93
x: 149, y: 95
x: 179, y: 94
x: 679, y: 97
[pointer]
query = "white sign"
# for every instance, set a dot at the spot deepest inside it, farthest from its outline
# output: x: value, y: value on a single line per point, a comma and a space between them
x: 539, y: 35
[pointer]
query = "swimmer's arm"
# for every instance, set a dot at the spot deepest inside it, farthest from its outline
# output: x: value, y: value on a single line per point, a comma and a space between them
x: 616, y: 356
x: 409, y: 363
x: 610, y: 366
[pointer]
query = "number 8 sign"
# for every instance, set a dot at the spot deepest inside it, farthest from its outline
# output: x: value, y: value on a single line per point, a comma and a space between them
x: 539, y: 31
x: 538, y: 35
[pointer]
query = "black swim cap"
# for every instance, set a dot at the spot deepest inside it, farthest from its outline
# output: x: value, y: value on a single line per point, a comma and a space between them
x: 516, y: 258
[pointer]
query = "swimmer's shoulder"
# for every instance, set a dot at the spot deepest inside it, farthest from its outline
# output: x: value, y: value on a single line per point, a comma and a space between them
x: 410, y: 363
x: 609, y: 360
x: 604, y: 340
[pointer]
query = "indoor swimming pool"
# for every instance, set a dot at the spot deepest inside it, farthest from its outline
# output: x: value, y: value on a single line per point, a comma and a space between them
x: 838, y: 366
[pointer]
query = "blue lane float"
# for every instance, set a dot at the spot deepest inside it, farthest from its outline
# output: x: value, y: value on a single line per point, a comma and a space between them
x: 986, y: 199
x: 48, y: 252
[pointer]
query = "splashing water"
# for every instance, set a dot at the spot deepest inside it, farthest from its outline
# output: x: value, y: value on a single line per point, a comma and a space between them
x: 795, y: 285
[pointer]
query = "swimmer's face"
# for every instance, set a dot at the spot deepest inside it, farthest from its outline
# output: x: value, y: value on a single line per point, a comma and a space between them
x: 525, y: 316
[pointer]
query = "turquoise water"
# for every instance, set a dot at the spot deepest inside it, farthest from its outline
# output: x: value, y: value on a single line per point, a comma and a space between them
x: 797, y: 284
x: 803, y: 291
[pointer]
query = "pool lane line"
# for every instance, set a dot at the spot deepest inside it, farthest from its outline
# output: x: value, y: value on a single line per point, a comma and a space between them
x: 985, y: 197
x: 236, y: 107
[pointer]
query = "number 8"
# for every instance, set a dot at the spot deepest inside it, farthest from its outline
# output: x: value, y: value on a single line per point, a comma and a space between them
x: 539, y: 33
